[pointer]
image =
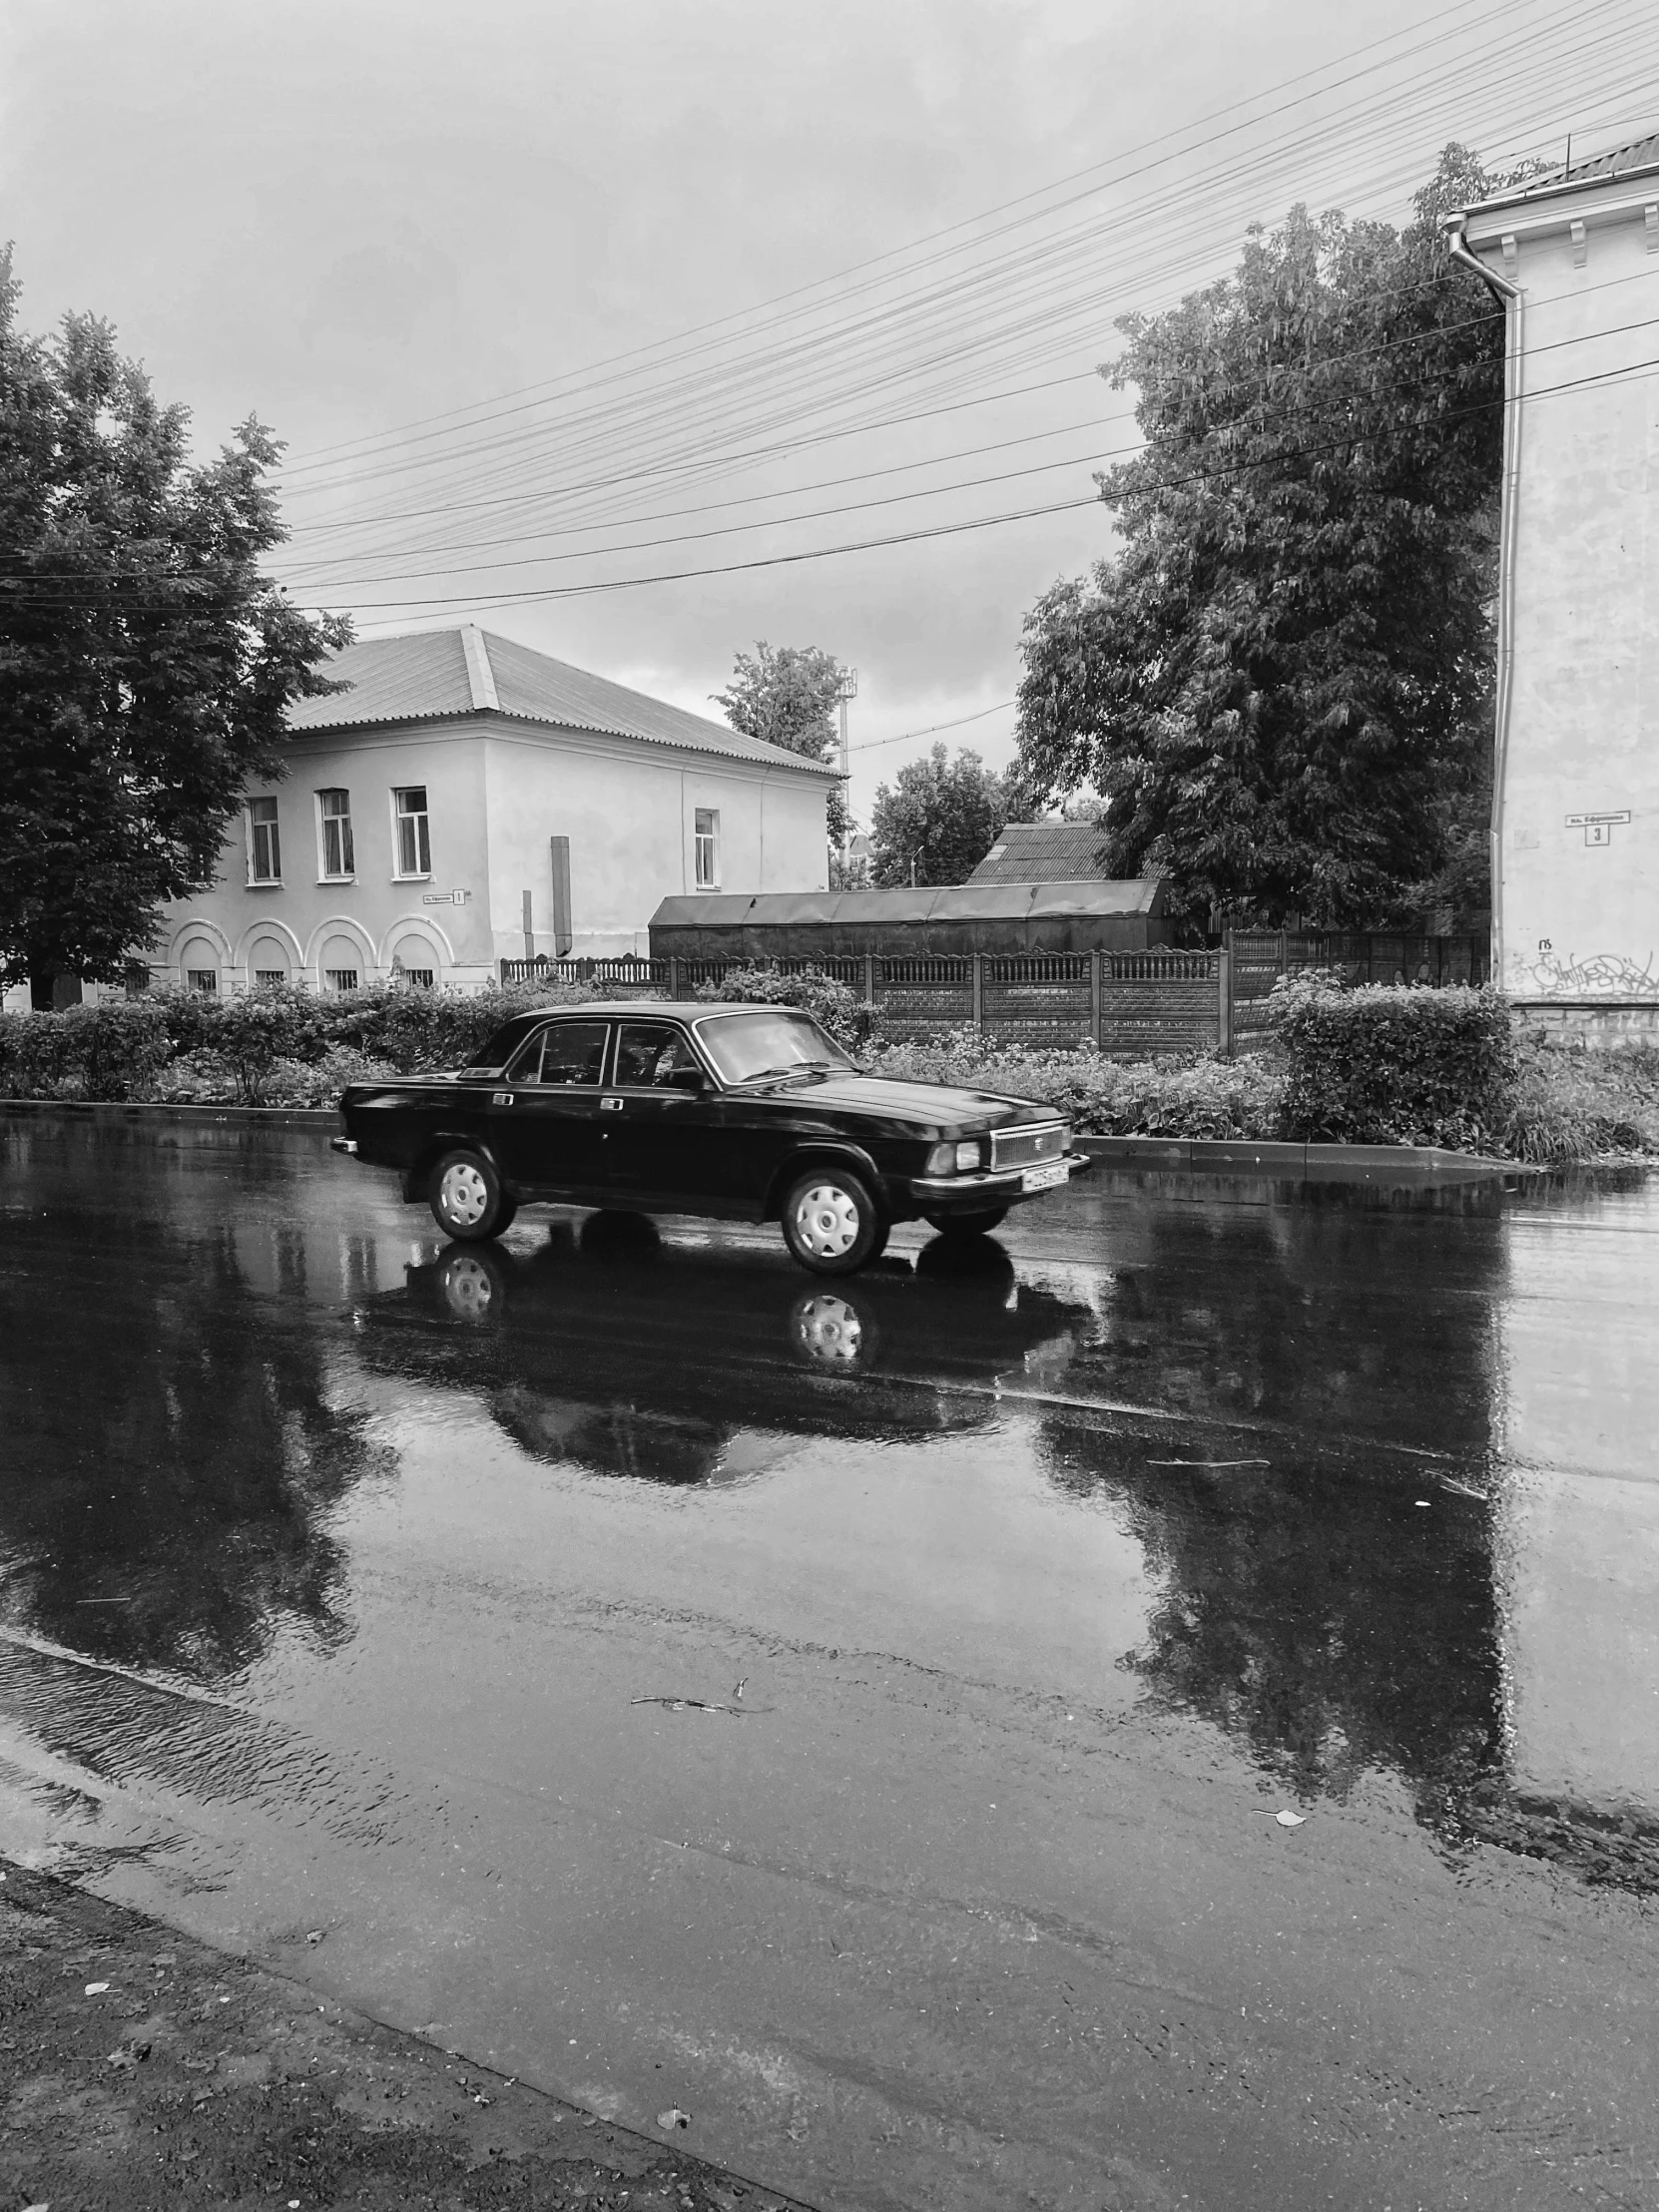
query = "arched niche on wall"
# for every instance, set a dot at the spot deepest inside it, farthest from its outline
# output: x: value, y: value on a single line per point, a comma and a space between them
x: 341, y: 962
x: 415, y: 957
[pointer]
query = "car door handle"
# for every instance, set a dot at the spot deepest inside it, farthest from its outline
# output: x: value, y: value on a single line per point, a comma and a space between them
x: 610, y: 1105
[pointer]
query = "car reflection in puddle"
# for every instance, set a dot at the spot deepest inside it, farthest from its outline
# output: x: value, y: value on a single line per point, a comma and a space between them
x: 627, y: 1354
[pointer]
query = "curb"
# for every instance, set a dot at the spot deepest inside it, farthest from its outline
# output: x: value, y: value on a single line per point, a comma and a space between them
x: 127, y: 1110
x: 1300, y: 1163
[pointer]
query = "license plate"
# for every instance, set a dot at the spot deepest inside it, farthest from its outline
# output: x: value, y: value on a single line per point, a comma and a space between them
x: 1045, y: 1177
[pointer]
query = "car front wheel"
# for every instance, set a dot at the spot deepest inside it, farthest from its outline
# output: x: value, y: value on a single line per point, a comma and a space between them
x: 968, y: 1225
x: 832, y: 1221
x: 468, y: 1199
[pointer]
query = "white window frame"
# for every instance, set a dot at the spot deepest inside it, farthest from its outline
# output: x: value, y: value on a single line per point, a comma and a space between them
x: 424, y: 836
x: 326, y: 875
x: 257, y: 881
x: 709, y: 839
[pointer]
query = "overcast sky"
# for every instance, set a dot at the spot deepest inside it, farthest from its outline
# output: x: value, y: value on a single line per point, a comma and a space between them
x: 350, y: 216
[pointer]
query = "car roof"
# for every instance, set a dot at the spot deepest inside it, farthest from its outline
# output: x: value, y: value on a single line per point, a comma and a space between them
x: 684, y: 1009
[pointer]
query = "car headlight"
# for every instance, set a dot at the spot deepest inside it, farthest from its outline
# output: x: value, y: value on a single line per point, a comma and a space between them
x: 955, y: 1159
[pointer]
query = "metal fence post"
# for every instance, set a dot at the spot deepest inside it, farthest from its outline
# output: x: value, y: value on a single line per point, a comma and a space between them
x: 1097, y: 1008
x: 1224, y: 1002
x: 979, y: 992
x: 870, y: 979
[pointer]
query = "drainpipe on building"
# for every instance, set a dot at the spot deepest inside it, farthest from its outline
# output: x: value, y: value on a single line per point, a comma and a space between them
x: 1513, y: 300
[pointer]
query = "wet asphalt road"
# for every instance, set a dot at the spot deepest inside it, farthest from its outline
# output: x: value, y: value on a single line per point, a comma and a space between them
x: 336, y: 1565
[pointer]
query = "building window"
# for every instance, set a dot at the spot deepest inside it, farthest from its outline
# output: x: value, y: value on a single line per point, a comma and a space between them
x: 707, y: 848
x: 341, y: 979
x: 267, y: 976
x: 339, y: 857
x: 264, y: 850
x: 414, y: 848
x: 202, y: 979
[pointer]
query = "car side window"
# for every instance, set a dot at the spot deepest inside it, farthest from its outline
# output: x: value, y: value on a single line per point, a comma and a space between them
x: 564, y: 1052
x: 653, y: 1056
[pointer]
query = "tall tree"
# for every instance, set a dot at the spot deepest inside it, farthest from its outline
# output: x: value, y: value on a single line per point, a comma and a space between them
x: 937, y: 820
x: 786, y: 696
x: 1283, y: 673
x: 145, y: 662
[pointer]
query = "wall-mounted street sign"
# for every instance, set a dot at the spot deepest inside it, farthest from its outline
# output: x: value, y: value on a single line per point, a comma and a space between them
x: 1597, y: 829
x: 460, y: 898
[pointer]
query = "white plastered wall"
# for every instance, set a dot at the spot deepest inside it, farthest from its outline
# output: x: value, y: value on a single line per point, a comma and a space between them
x: 628, y: 810
x: 1578, y: 899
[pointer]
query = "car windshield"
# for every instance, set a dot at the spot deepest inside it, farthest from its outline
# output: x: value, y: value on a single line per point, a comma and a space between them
x: 772, y: 1040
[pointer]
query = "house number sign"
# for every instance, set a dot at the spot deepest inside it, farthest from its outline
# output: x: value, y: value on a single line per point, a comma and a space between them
x: 1597, y: 829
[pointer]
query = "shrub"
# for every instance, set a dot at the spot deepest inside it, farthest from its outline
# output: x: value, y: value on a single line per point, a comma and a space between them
x: 835, y: 1007
x: 1198, y: 1096
x: 1572, y: 1101
x: 1393, y: 1065
x: 110, y: 1051
x: 413, y: 1029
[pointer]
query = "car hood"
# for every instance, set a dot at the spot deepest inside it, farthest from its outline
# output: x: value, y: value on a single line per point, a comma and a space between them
x: 933, y: 1105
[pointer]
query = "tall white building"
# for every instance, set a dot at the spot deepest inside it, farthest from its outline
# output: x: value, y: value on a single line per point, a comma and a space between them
x: 1575, y: 865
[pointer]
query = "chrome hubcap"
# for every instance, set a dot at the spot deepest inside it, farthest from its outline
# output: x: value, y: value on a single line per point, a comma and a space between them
x: 463, y: 1194
x: 830, y: 1332
x: 826, y: 1222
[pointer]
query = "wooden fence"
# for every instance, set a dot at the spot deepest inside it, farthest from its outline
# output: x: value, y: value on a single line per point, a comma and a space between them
x: 1131, y: 1004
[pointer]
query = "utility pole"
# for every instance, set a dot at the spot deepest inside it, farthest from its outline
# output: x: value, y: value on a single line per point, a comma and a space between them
x: 848, y: 689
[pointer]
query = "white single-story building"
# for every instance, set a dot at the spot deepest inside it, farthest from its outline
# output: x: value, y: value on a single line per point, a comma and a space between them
x: 468, y: 801
x: 1575, y: 813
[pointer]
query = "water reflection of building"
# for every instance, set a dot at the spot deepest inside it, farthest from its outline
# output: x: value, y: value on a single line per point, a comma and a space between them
x: 1577, y: 1526
x: 1482, y: 1622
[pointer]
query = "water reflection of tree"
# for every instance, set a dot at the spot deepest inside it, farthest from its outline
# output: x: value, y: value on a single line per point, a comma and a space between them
x: 171, y: 1450
x: 1309, y: 1606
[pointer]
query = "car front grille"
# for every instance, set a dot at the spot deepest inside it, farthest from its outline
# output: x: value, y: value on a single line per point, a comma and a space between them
x: 1024, y: 1148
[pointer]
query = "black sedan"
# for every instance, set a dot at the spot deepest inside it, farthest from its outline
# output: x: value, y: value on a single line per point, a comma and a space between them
x: 742, y: 1112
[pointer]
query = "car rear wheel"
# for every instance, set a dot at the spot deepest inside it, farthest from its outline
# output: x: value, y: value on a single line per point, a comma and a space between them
x: 832, y: 1223
x: 467, y: 1199
x: 968, y: 1225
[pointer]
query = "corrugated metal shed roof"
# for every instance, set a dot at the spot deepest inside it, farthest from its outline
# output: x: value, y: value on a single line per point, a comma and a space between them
x: 1042, y: 851
x: 430, y: 675
x: 957, y: 903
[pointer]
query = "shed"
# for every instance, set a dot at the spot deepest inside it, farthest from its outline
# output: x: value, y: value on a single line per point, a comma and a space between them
x: 959, y: 918
x: 1044, y: 852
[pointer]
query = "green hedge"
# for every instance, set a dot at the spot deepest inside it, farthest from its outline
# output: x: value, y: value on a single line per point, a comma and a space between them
x: 1193, y: 1096
x: 1394, y: 1065
x: 275, y: 1046
x: 835, y: 1006
x: 1374, y: 1066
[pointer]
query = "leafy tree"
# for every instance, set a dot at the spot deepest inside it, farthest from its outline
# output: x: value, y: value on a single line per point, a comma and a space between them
x: 1280, y: 684
x: 940, y: 815
x: 786, y: 696
x: 145, y: 663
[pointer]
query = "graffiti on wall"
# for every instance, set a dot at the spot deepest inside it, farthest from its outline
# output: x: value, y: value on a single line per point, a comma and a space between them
x: 1550, y: 974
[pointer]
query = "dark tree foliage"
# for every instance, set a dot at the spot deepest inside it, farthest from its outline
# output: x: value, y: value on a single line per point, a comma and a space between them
x: 145, y: 662
x: 937, y: 820
x: 1280, y: 685
x: 786, y: 696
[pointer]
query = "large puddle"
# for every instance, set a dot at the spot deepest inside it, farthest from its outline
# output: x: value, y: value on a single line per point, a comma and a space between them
x: 355, y: 1580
